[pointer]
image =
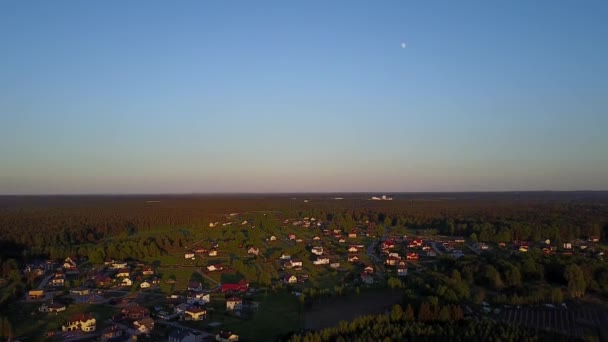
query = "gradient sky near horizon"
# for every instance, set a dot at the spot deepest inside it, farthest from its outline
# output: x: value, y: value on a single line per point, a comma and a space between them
x: 286, y: 96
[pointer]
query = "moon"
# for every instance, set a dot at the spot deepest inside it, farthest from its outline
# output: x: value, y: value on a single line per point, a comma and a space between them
x: 403, y: 45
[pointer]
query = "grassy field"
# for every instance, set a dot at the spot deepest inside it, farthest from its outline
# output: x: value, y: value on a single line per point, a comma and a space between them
x: 34, y: 325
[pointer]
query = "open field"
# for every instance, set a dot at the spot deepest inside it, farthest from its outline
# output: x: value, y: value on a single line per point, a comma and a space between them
x: 330, y: 312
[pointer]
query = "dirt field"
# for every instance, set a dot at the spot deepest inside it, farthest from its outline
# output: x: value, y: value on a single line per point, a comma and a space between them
x: 331, y: 311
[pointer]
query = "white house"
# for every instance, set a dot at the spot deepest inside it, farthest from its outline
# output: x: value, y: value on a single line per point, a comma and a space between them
x: 189, y: 255
x: 290, y: 279
x: 126, y: 282
x: 317, y: 250
x: 213, y: 252
x: 285, y: 256
x: 253, y: 250
x: 321, y: 261
x: 296, y: 263
x: 352, y: 249
x: 145, y: 285
x: 273, y: 238
x: 234, y: 304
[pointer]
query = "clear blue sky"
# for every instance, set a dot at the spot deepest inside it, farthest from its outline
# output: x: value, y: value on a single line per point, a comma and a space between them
x: 253, y: 96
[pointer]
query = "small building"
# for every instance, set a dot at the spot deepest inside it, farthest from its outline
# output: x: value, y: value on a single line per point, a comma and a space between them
x: 215, y: 268
x: 195, y: 286
x: 290, y: 279
x: 273, y: 238
x: 35, y: 294
x: 144, y: 325
x: 334, y: 264
x: 145, y: 284
x: 402, y: 269
x: 135, y: 312
x: 352, y: 235
x: 126, y: 282
x: 212, y: 252
x: 83, y: 321
x: 292, y: 236
x: 80, y: 291
x: 353, y: 258
x: 321, y: 261
x: 369, y: 269
x: 285, y: 256
x: 353, y: 249
x: 189, y: 255
x: 196, y: 313
x: 253, y: 251
x: 148, y: 271
x: 123, y: 273
x: 234, y: 304
x: 53, y: 307
x: 111, y: 333
x: 317, y: 250
x: 226, y: 336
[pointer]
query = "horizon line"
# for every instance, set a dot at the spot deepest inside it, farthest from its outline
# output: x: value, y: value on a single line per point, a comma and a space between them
x: 298, y: 192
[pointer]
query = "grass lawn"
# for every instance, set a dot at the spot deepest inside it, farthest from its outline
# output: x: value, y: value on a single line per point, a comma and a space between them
x: 278, y: 314
x: 32, y: 324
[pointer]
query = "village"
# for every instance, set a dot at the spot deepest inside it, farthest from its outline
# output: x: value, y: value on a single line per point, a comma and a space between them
x: 212, y: 295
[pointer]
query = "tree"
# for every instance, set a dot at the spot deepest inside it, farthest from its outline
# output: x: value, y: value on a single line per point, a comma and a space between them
x: 473, y: 237
x: 396, y: 313
x: 409, y: 313
x: 493, y: 277
x: 556, y: 296
x: 444, y: 314
x: 576, y: 280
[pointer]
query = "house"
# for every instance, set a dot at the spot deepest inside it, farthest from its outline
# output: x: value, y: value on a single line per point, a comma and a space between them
x: 189, y: 255
x: 195, y: 313
x: 148, y: 271
x: 285, y: 256
x: 392, y: 261
x: 353, y: 258
x: 226, y: 336
x: 254, y: 251
x: 388, y: 244
x: 117, y: 265
x: 185, y: 336
x: 234, y: 304
x: 459, y: 240
x: 567, y: 245
x: 144, y: 326
x: 316, y: 238
x: 85, y: 322
x: 241, y: 286
x: 290, y: 279
x: 341, y: 241
x: 200, y: 251
x: 198, y: 298
x: 126, y: 282
x: 334, y: 264
x: 415, y: 243
x: 145, y: 284
x: 352, y: 249
x: 366, y: 278
x: 213, y: 268
x: 35, y: 294
x: 402, y: 269
x: 292, y: 236
x: 135, y: 312
x: 273, y: 238
x: 123, y: 273
x: 412, y: 256
x: 352, y: 235
x: 213, y: 252
x: 58, y: 280
x: 317, y: 250
x: 70, y: 266
x: 53, y: 307
x: 80, y: 291
x: 394, y: 254
x: 295, y: 263
x: 369, y: 269
x: 111, y: 333
x: 102, y: 280
x: 195, y: 286
x: 321, y: 261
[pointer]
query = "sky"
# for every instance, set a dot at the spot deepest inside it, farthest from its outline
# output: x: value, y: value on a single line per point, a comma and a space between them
x: 302, y: 96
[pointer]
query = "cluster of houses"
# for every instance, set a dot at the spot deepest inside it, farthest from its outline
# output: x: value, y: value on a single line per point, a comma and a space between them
x: 394, y: 259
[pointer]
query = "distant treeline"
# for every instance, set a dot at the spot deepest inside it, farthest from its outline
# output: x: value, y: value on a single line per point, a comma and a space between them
x: 69, y: 225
